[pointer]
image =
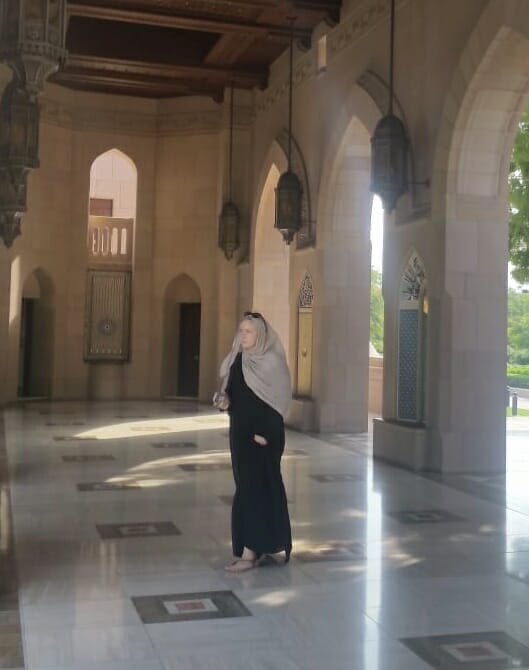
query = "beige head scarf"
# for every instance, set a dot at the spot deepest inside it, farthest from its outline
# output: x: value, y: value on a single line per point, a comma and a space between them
x: 264, y: 367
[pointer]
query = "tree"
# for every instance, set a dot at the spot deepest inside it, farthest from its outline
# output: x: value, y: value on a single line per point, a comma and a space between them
x: 518, y: 328
x: 377, y: 312
x: 519, y: 203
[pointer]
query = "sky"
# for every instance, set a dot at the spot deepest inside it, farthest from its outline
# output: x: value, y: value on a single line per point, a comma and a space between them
x: 377, y: 233
x: 377, y: 242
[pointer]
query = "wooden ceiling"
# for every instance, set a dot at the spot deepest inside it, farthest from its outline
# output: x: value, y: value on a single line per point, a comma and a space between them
x: 170, y: 48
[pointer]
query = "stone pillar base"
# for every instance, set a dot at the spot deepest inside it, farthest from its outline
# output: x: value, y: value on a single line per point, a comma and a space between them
x: 301, y: 414
x: 403, y: 445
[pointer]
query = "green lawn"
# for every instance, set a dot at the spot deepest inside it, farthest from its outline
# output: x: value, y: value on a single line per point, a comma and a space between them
x: 521, y: 412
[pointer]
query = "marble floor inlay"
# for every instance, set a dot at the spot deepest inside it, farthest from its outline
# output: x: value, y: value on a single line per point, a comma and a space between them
x: 204, y: 467
x: 65, y: 423
x: 341, y: 477
x: 493, y: 650
x: 108, y: 486
x: 189, y: 607
x: 174, y: 445
x: 109, y: 531
x: 100, y: 580
x: 334, y: 551
x: 424, y: 516
x: 87, y: 458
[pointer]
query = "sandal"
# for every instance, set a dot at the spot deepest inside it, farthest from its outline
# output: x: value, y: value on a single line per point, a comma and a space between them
x: 241, y: 565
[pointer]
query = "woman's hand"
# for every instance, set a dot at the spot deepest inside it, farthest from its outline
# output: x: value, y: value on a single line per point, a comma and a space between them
x: 260, y: 440
x: 221, y: 401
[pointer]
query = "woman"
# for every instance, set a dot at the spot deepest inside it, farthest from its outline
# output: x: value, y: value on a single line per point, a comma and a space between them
x: 256, y: 391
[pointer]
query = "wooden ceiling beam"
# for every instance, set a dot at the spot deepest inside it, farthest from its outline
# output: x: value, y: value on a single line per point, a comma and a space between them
x: 113, y: 67
x: 106, y: 82
x: 228, y: 49
x: 202, y: 24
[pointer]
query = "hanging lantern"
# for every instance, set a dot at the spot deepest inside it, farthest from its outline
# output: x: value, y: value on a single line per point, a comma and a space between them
x: 229, y: 219
x: 19, y: 140
x: 389, y: 161
x: 19, y: 128
x: 389, y: 145
x: 288, y: 205
x: 32, y: 38
x: 288, y: 190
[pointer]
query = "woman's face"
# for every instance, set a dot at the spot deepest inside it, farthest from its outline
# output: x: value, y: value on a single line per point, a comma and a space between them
x: 248, y: 334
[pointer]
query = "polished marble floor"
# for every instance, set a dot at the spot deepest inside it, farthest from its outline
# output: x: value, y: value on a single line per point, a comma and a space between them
x: 121, y: 532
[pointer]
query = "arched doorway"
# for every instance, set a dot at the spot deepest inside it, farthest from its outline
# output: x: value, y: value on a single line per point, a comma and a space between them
x: 182, y: 315
x: 271, y: 263
x: 470, y: 197
x: 36, y: 336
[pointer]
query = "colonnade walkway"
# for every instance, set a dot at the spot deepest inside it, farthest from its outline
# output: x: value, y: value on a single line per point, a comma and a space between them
x: 121, y: 517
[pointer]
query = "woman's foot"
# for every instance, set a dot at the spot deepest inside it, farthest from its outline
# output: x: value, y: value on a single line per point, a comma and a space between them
x: 241, y: 565
x: 247, y: 561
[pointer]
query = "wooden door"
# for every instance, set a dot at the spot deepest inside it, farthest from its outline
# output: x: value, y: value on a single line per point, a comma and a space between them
x: 189, y: 349
x: 25, y: 349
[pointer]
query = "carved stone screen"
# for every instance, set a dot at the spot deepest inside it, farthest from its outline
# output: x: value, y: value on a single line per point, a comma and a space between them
x: 107, y: 325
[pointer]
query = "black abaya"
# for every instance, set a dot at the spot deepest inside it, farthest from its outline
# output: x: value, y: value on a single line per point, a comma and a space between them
x: 259, y: 519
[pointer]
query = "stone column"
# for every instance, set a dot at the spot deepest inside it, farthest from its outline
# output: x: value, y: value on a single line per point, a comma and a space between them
x: 470, y: 414
x: 341, y: 314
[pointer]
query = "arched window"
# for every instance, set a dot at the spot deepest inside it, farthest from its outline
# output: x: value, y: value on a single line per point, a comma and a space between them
x: 111, y: 217
x: 412, y: 325
x: 112, y: 210
x: 304, y: 369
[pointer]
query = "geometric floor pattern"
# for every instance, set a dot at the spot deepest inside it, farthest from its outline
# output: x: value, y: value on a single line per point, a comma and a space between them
x: 116, y: 531
x: 424, y: 516
x: 189, y: 607
x: 119, y: 551
x: 493, y: 650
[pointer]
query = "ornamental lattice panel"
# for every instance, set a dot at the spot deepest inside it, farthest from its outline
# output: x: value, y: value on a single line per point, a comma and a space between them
x: 107, y: 317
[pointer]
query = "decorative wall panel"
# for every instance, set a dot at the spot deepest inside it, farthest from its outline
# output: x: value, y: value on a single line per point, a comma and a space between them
x: 304, y: 369
x: 107, y: 324
x: 412, y: 341
x: 408, y: 357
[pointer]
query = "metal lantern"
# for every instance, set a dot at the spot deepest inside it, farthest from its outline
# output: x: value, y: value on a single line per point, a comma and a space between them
x: 19, y: 128
x: 288, y: 189
x: 19, y: 141
x: 389, y: 145
x: 288, y: 205
x: 389, y: 161
x: 32, y: 38
x: 229, y: 221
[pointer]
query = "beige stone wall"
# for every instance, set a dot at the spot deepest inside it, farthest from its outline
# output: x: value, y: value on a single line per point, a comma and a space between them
x: 175, y: 150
